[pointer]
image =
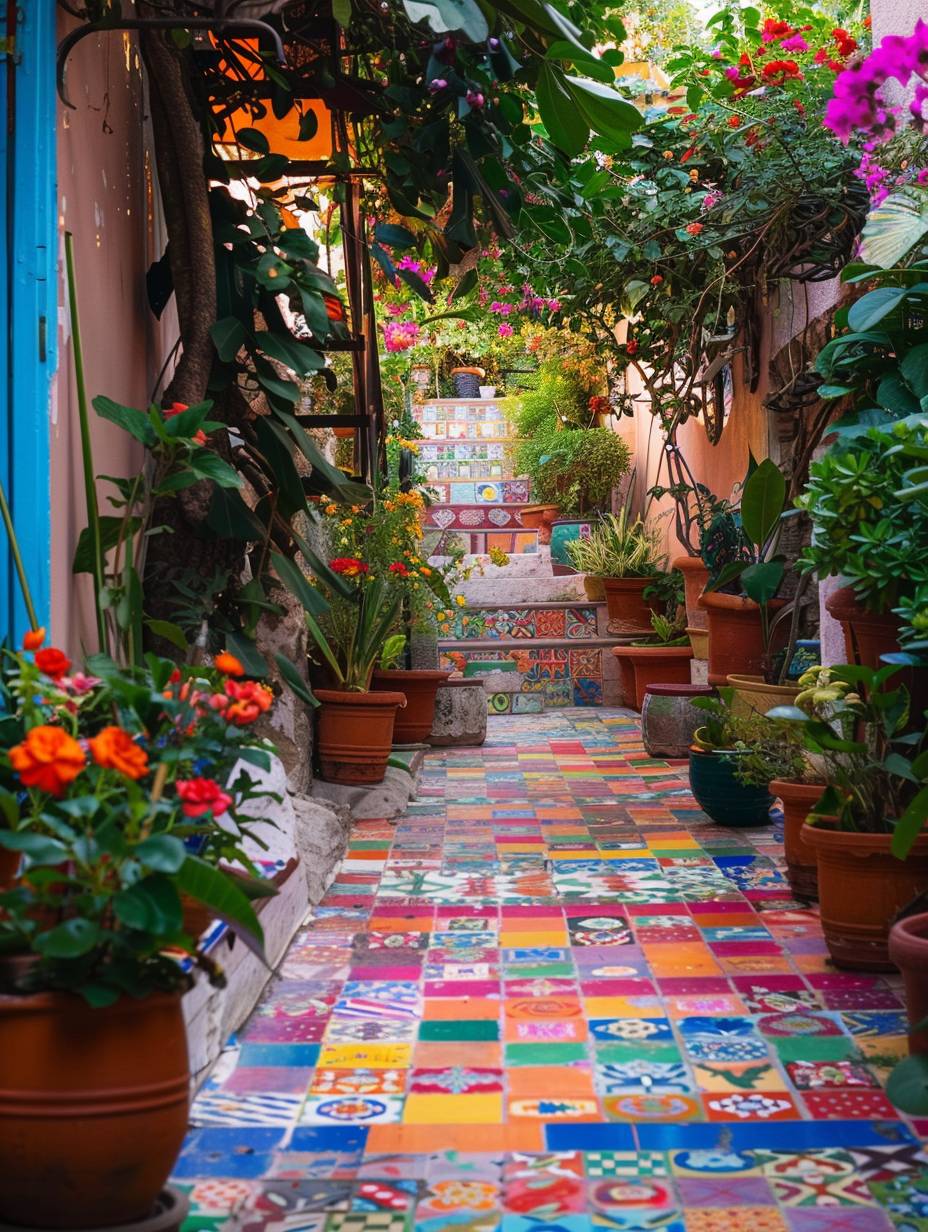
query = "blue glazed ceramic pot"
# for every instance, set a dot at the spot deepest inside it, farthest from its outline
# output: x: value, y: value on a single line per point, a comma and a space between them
x: 719, y: 794
x: 563, y: 532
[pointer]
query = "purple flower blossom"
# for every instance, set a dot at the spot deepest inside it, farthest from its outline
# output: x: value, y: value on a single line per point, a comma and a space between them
x: 437, y: 84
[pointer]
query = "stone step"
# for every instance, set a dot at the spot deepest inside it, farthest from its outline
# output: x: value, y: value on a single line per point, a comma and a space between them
x: 570, y: 620
x: 535, y: 564
x: 552, y: 672
x: 502, y: 589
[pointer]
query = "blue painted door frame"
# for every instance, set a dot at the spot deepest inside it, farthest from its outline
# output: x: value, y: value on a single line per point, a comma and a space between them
x: 28, y: 303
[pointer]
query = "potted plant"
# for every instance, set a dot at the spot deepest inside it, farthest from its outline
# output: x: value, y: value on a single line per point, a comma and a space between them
x: 627, y: 556
x: 467, y: 381
x: 729, y: 760
x: 908, y: 949
x: 746, y: 629
x: 662, y: 658
x: 866, y: 830
x: 105, y: 777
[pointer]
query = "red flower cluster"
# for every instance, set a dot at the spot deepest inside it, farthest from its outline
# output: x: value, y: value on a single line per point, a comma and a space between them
x: 631, y: 346
x: 350, y: 566
x: 598, y: 405
x: 52, y: 662
x: 244, y: 701
x: 847, y: 45
x: 201, y: 796
x: 778, y: 72
x: 399, y: 568
x: 694, y: 228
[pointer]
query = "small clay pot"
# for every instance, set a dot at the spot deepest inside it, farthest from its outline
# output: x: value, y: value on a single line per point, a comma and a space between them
x: 861, y: 889
x: 669, y: 719
x: 414, y: 722
x: 355, y: 735
x: 801, y: 868
x: 629, y: 615
x: 641, y: 666
x: 754, y: 696
x: 540, y: 518
x: 908, y: 949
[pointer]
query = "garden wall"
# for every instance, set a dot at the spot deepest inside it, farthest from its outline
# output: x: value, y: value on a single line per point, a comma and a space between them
x: 108, y: 199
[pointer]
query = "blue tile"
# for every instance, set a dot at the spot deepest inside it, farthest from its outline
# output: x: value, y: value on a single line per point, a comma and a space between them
x: 278, y: 1054
x: 589, y: 1137
x: 242, y: 1152
x: 328, y: 1138
x: 778, y: 1136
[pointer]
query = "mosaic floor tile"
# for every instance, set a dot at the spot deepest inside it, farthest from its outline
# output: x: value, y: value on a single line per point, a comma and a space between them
x: 554, y: 997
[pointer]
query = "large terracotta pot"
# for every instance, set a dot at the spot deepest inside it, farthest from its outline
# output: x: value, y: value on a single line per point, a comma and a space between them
x: 754, y: 696
x: 719, y: 794
x: 593, y: 588
x: 628, y: 612
x: 640, y: 666
x: 736, y: 644
x: 908, y: 949
x: 861, y: 888
x: 868, y: 636
x: 695, y: 576
x: 798, y: 801
x: 414, y: 722
x: 540, y: 518
x: 355, y: 735
x: 93, y: 1107
x: 563, y: 532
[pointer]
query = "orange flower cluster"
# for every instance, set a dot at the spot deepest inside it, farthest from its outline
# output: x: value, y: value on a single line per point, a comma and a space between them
x: 114, y: 749
x: 243, y: 702
x: 48, y: 759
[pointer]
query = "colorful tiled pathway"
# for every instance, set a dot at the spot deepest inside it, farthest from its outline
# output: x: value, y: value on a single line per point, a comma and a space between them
x: 555, y: 998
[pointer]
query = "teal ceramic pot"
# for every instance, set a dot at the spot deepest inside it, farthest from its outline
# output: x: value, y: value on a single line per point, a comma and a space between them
x: 719, y: 794
x: 563, y: 531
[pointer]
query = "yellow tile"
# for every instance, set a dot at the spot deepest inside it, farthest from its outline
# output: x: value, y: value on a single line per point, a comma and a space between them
x: 623, y: 1007
x: 453, y: 1109
x: 365, y: 1056
x: 533, y: 940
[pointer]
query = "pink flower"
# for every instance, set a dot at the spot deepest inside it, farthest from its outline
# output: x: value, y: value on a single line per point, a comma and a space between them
x: 505, y: 330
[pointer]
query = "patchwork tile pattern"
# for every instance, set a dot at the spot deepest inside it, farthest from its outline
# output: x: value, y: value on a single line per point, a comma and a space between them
x: 554, y: 996
x: 552, y: 676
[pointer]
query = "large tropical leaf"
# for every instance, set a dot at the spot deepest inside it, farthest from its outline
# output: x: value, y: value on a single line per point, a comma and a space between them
x: 565, y: 123
x: 762, y: 502
x: 893, y: 228
x: 217, y: 890
x: 445, y: 16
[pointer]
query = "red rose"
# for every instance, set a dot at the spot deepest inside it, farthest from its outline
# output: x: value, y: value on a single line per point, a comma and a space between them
x: 52, y: 662
x: 202, y: 796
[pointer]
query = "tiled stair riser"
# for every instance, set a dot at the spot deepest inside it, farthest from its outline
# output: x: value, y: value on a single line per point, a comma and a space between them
x: 551, y: 676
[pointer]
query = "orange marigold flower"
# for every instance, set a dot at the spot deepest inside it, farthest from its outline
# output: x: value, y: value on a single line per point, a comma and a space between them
x: 114, y: 749
x: 350, y: 566
x: 34, y: 639
x: 52, y: 662
x: 48, y: 758
x: 228, y: 664
x: 247, y: 700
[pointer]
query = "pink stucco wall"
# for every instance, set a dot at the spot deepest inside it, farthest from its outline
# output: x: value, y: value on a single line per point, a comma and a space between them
x: 108, y: 201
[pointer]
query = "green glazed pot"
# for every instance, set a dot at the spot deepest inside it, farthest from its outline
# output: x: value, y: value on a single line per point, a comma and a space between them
x: 719, y: 794
x: 563, y: 532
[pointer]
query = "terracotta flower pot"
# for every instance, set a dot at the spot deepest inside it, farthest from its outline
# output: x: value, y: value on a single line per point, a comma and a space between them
x: 798, y: 801
x: 355, y: 734
x: 413, y: 723
x: 628, y: 612
x: 908, y: 949
x: 669, y: 719
x: 736, y: 644
x: 699, y: 640
x: 719, y: 794
x: 754, y: 696
x: 695, y: 576
x: 343, y: 433
x: 540, y: 518
x: 93, y: 1107
x: 640, y: 666
x: 867, y: 636
x: 861, y: 888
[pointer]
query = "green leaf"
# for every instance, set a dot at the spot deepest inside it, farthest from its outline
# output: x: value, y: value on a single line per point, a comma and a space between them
x: 110, y: 530
x: 162, y: 852
x: 187, y: 423
x: 417, y: 284
x: 907, y: 1087
x: 448, y: 16
x: 914, y: 367
x: 152, y: 905
x: 393, y: 235
x: 208, y: 465
x: 170, y: 632
x: 298, y: 585
x: 910, y: 825
x: 464, y: 285
x: 68, y: 940
x: 126, y: 417
x: 246, y: 650
x: 762, y: 502
x: 761, y: 582
x: 228, y: 335
x: 296, y: 355
x: 607, y: 112
x: 296, y: 682
x: 874, y: 306
x: 230, y: 518
x: 563, y: 119
x: 893, y: 228
x: 38, y: 847
x: 216, y: 890
x: 341, y: 11
x: 253, y: 139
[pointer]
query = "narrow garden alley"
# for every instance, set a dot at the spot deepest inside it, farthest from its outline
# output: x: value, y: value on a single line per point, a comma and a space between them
x: 554, y: 995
